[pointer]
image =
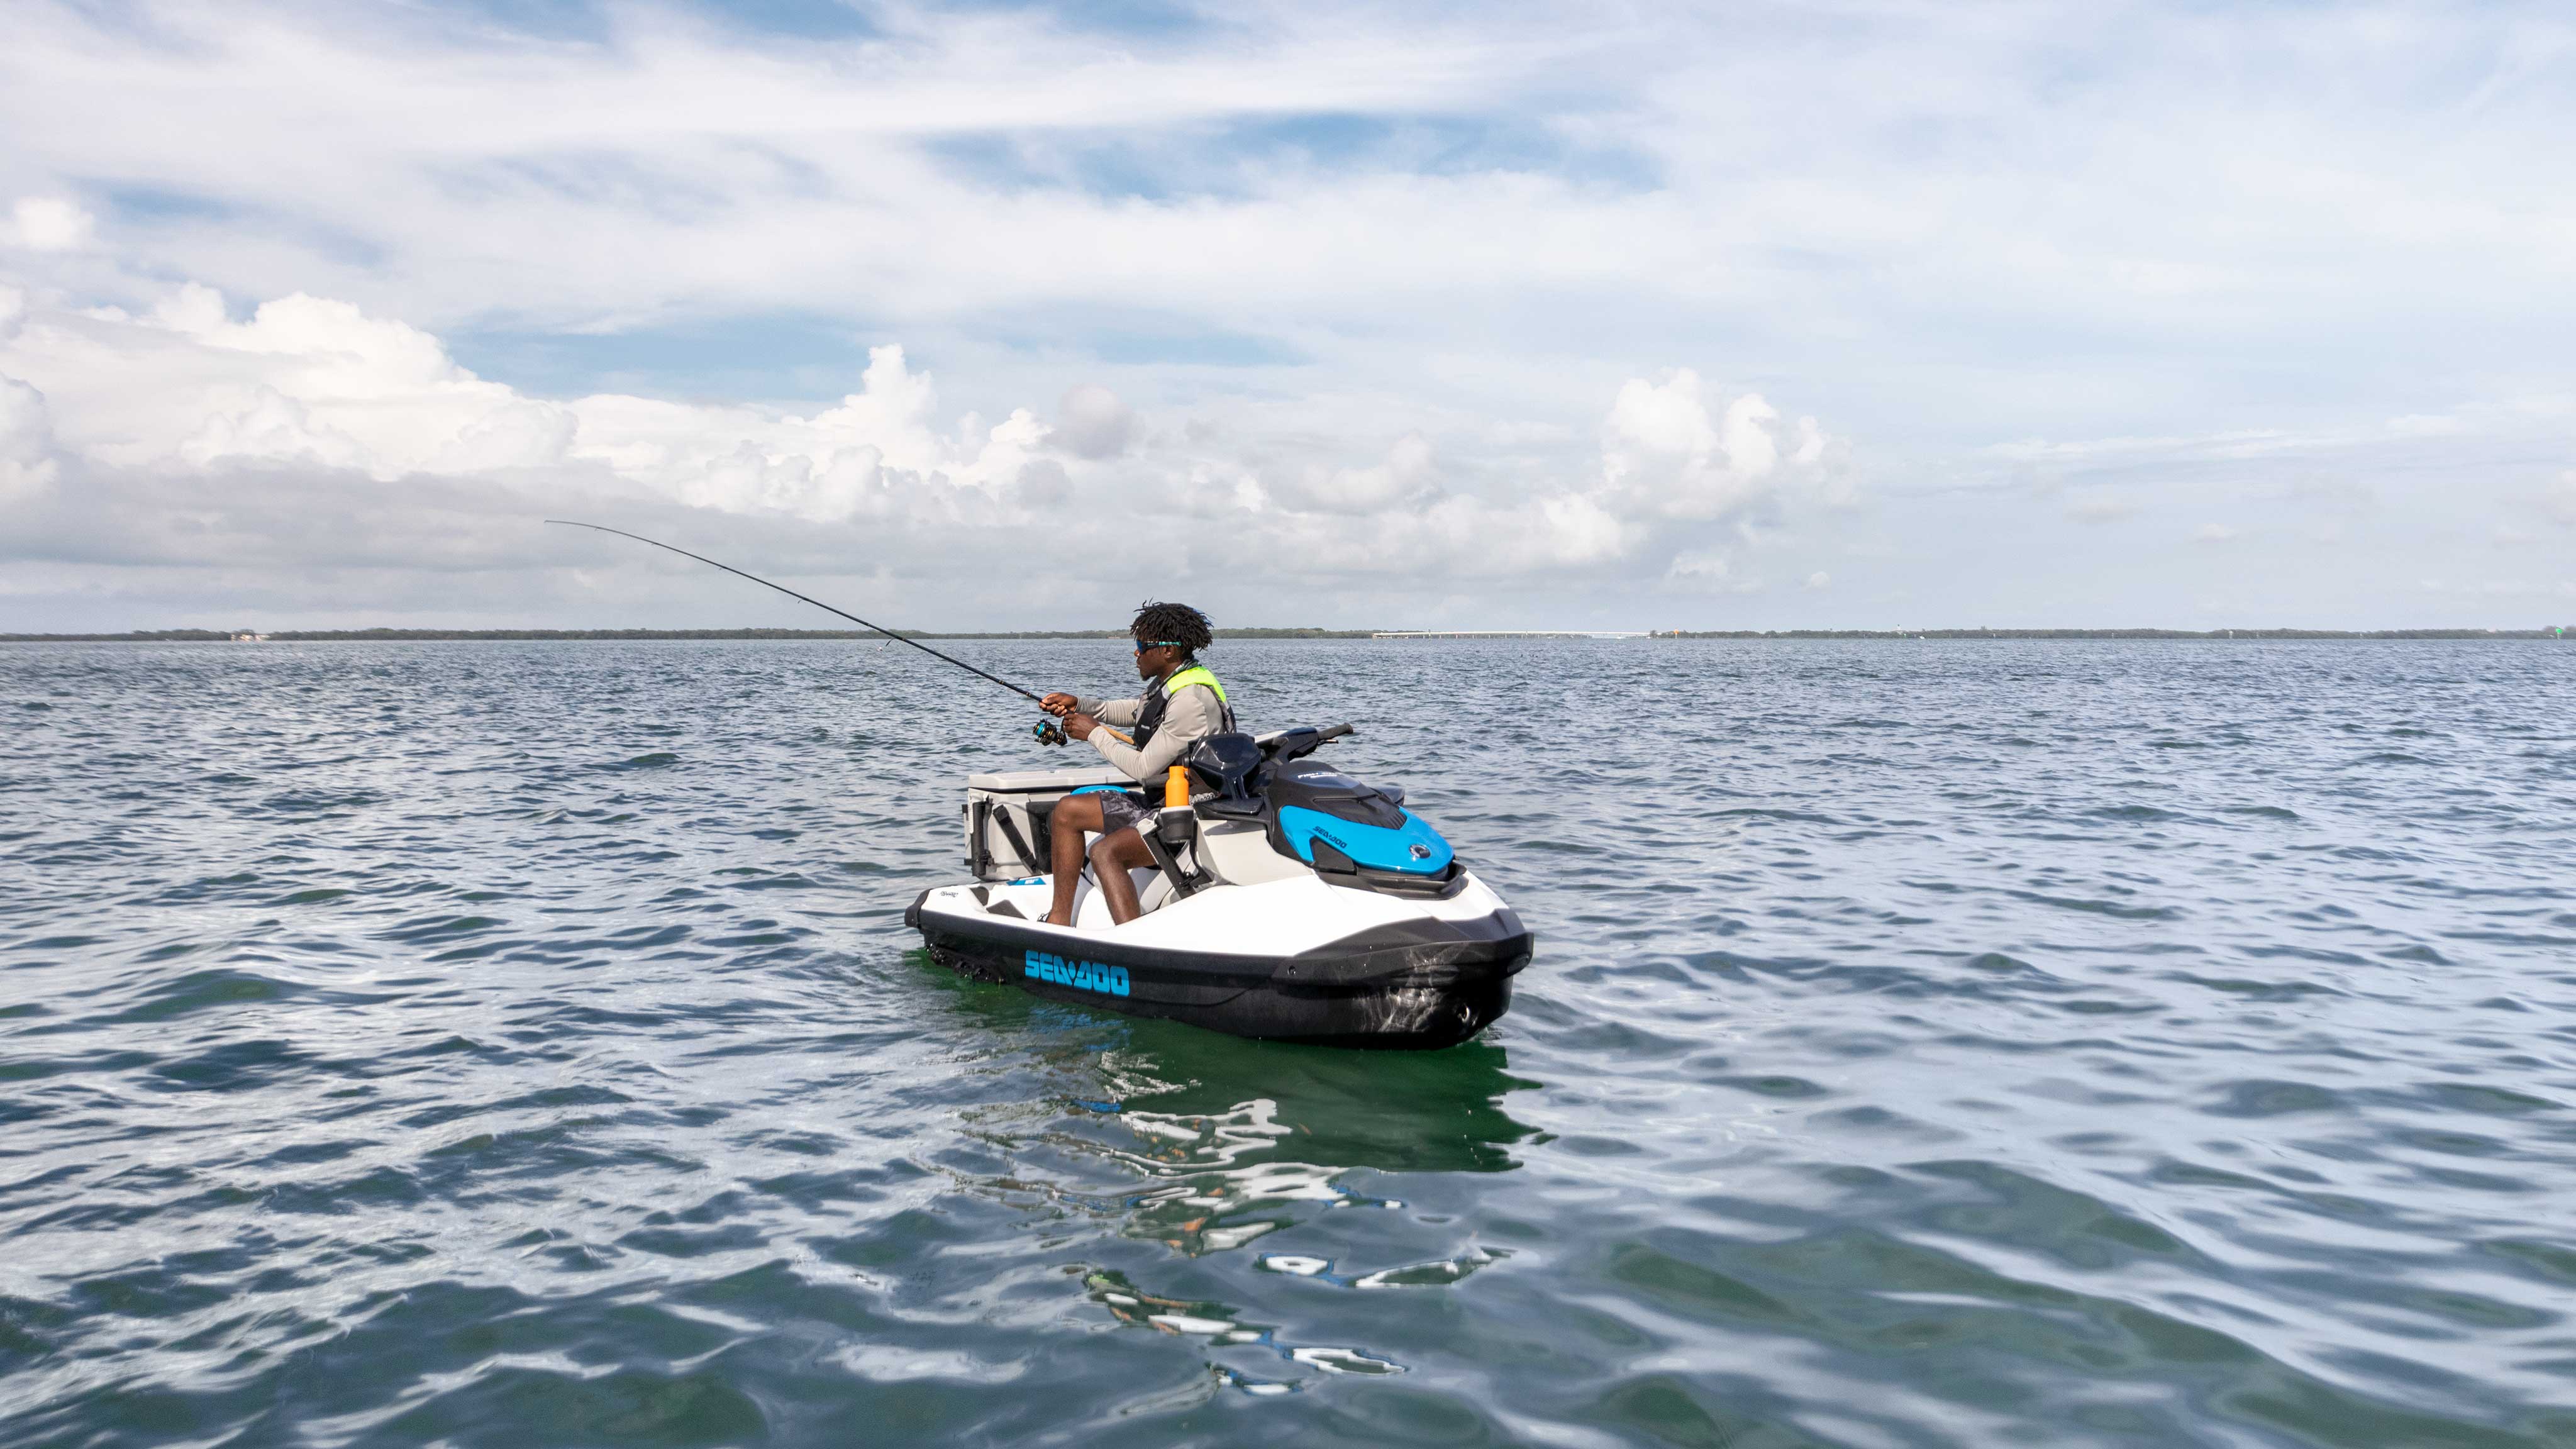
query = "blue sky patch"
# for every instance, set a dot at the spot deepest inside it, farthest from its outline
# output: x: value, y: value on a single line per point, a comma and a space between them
x: 153, y: 203
x: 1138, y: 19
x: 592, y: 21
x: 1240, y: 158
x: 1129, y: 337
x: 781, y: 358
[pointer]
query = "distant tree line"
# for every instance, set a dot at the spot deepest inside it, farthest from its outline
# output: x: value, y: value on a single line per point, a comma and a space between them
x: 2560, y: 632
x: 299, y: 636
x: 305, y: 636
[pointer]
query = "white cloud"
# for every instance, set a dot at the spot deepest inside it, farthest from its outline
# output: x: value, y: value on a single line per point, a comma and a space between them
x: 1820, y: 580
x: 303, y: 378
x: 1295, y: 239
x: 372, y: 412
x: 2100, y: 506
x: 27, y: 464
x: 1091, y: 422
x: 49, y: 224
x: 1405, y: 476
x: 1664, y: 454
x: 316, y: 381
x: 1709, y: 571
x: 1044, y: 484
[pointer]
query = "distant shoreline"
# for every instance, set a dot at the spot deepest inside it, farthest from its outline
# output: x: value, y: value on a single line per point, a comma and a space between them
x: 2218, y: 634
x: 362, y: 636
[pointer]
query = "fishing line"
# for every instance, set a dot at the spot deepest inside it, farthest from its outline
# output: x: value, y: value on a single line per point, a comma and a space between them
x: 817, y: 603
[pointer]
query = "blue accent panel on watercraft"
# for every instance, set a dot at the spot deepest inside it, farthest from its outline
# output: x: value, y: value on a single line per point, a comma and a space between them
x: 1413, y: 848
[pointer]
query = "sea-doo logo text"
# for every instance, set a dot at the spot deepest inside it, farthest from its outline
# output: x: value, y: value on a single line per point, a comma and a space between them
x: 1085, y: 975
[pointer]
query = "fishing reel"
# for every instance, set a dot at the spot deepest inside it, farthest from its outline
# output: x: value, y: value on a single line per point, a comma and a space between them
x: 1049, y: 731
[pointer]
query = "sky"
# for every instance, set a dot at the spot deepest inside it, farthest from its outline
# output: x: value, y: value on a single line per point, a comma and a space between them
x: 1830, y: 314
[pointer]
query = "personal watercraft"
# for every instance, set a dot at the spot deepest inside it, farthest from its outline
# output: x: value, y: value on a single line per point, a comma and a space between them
x: 1287, y: 902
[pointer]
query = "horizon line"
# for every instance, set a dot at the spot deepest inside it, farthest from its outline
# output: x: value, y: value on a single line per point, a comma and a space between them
x: 391, y: 633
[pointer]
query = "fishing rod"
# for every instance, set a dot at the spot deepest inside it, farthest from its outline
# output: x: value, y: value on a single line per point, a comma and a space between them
x: 1048, y: 732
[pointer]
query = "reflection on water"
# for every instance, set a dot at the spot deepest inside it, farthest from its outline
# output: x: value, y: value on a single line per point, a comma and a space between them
x: 1143, y: 1130
x: 1438, y: 1274
x: 1228, y: 1338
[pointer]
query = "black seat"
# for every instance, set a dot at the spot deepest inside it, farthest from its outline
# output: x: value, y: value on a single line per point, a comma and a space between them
x: 1225, y: 763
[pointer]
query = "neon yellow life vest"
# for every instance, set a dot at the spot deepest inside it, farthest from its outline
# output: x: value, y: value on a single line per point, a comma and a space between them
x: 1150, y: 718
x: 1180, y: 679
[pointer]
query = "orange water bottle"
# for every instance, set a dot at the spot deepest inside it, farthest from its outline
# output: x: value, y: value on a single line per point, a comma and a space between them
x: 1176, y: 786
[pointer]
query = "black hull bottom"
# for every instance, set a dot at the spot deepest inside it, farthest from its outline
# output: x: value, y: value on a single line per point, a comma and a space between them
x: 1417, y: 993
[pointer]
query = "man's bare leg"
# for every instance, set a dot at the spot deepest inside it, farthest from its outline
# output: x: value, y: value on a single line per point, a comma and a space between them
x: 1073, y: 816
x: 1112, y: 856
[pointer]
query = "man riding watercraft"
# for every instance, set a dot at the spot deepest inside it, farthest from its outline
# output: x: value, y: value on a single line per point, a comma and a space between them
x: 1182, y: 705
x: 1292, y: 902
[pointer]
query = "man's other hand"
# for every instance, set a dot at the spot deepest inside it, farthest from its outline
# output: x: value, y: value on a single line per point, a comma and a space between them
x: 1059, y: 705
x: 1080, y: 726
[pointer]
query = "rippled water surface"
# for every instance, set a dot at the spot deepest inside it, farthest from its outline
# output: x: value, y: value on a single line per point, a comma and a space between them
x: 1953, y: 1043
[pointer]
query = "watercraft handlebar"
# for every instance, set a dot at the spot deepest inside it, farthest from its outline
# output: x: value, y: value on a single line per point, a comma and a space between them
x: 1304, y: 740
x: 1320, y: 732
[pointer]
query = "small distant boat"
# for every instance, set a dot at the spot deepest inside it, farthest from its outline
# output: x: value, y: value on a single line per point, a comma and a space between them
x: 1292, y: 903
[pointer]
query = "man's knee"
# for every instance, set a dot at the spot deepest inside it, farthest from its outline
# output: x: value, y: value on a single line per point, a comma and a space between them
x: 1104, y: 851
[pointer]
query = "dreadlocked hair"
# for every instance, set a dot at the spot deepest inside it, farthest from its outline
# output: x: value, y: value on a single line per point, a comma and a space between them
x: 1172, y: 623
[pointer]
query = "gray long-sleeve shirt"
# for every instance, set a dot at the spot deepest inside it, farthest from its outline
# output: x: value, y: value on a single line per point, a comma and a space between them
x: 1189, y: 717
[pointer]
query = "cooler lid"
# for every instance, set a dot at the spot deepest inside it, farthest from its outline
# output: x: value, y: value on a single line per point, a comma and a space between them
x: 1024, y: 782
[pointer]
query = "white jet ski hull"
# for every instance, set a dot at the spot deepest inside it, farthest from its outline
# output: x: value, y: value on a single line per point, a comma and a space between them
x: 1294, y: 960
